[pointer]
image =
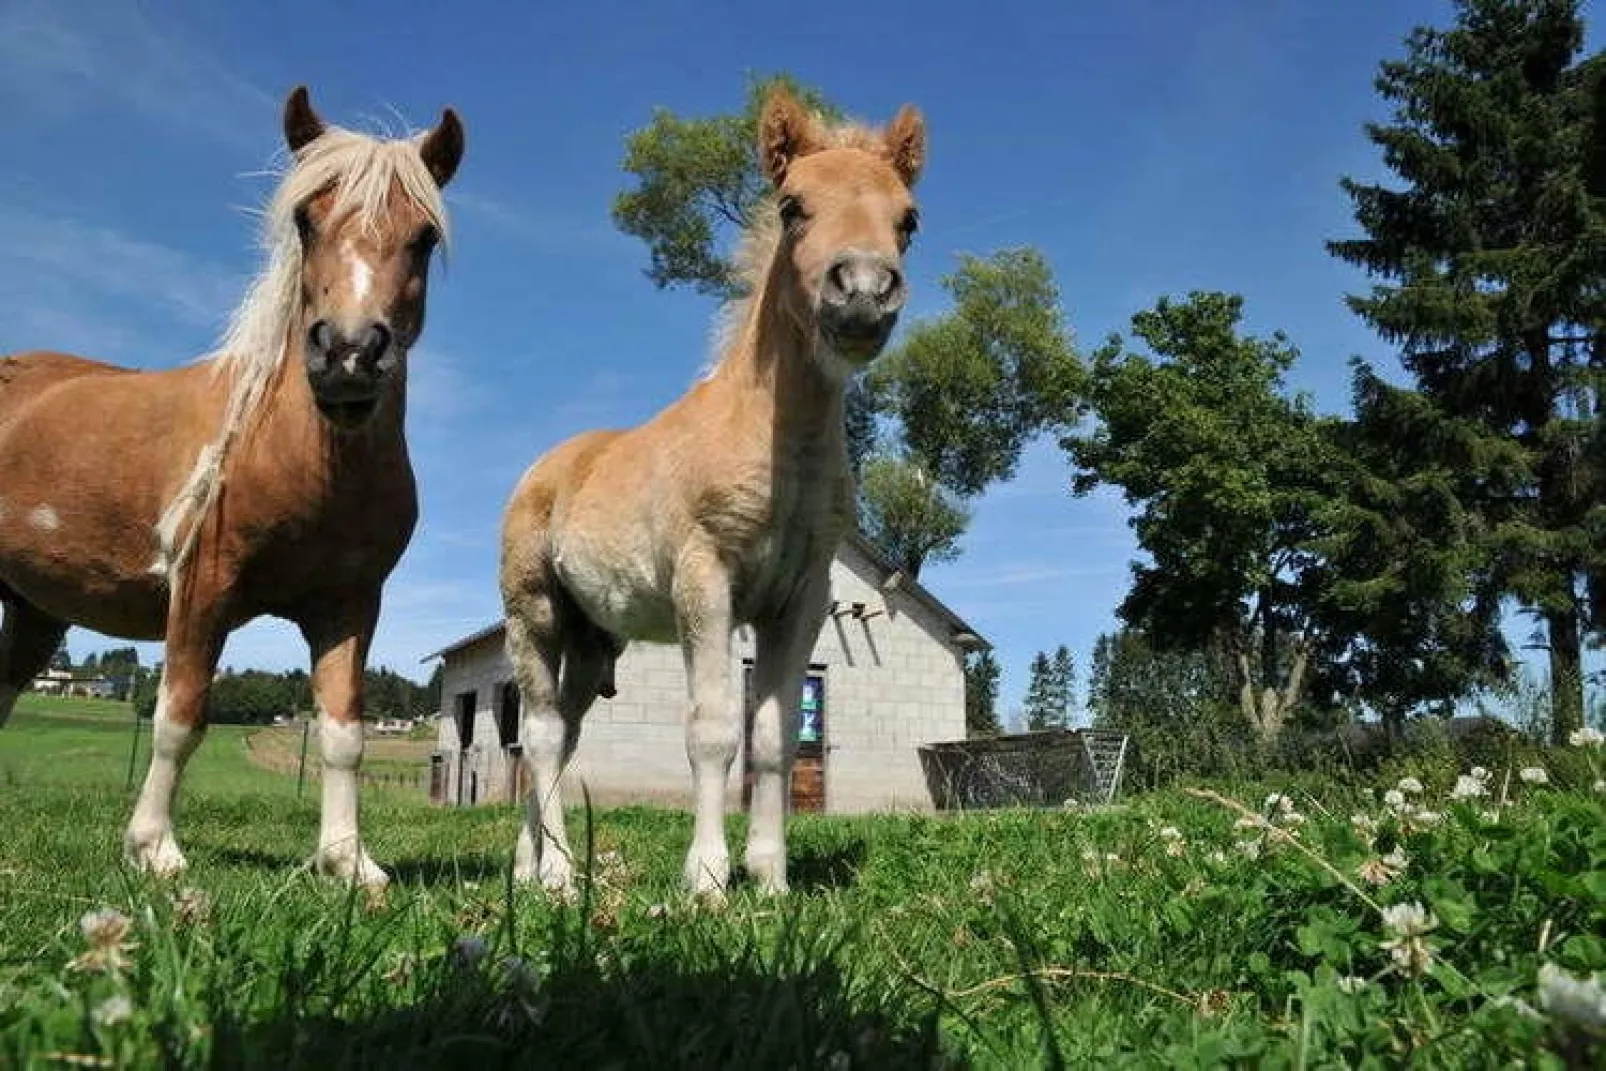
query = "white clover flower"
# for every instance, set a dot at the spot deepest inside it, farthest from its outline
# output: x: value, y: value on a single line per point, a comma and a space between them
x: 106, y: 931
x: 1534, y: 775
x: 1426, y: 818
x: 1588, y: 736
x: 1600, y: 784
x: 1408, y: 920
x: 1394, y: 799
x: 1408, y: 923
x: 1364, y: 825
x: 1578, y: 1000
x: 1249, y: 848
x: 1410, y: 784
x: 114, y: 1010
x: 1381, y: 871
x: 1467, y: 788
x: 1280, y: 802
x: 1351, y: 984
x: 1170, y: 833
x: 1480, y: 774
x: 1217, y: 856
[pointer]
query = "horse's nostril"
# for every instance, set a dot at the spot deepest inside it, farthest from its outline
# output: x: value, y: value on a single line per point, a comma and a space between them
x: 321, y: 336
x: 375, y: 341
x: 891, y: 283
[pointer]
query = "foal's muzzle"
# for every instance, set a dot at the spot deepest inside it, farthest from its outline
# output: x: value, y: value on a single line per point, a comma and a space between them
x: 860, y: 299
x: 348, y: 370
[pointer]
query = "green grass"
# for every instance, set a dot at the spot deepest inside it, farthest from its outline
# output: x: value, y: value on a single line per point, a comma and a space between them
x: 1007, y: 940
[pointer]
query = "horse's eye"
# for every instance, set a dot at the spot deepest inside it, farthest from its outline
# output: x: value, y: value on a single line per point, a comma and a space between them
x: 304, y: 223
x: 791, y: 211
x: 910, y: 223
x: 425, y: 242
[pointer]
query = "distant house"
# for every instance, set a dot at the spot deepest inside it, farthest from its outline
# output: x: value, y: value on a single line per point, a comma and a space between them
x: 66, y: 682
x: 885, y: 678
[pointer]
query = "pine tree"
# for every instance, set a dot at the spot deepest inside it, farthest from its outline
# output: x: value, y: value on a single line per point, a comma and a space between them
x: 981, y: 694
x: 1064, y: 685
x: 1040, y: 694
x: 1492, y: 250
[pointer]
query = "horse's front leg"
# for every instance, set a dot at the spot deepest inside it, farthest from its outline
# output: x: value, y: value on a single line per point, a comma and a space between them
x: 781, y: 657
x: 703, y: 604
x: 338, y: 640
x: 193, y: 641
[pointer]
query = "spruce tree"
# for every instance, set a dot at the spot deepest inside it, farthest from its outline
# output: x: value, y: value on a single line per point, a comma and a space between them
x: 1491, y: 252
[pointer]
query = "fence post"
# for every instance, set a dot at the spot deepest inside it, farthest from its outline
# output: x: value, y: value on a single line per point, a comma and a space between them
x: 133, y: 749
x: 301, y: 768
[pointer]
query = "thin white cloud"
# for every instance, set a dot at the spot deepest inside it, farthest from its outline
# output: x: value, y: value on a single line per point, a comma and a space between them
x: 544, y: 230
x: 58, y: 57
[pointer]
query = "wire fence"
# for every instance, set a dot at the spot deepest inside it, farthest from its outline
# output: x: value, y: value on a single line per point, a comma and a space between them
x: 1049, y: 768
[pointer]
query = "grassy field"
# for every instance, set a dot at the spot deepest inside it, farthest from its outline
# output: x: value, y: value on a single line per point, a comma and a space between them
x: 1173, y: 931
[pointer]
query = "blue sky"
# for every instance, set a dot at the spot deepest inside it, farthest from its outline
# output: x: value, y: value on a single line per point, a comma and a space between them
x: 1148, y: 147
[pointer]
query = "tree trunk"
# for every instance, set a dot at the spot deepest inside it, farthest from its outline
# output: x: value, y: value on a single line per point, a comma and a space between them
x: 1566, y: 672
x: 1267, y: 706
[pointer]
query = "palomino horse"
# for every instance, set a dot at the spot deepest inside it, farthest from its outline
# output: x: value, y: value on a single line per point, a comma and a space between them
x: 271, y: 477
x: 724, y: 509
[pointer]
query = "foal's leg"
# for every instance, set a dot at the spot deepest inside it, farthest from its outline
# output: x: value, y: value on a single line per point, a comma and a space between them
x: 193, y: 643
x: 339, y: 646
x: 781, y: 657
x: 553, y: 713
x: 702, y: 599
x: 28, y: 638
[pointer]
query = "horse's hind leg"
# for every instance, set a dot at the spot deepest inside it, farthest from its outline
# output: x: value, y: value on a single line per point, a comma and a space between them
x: 28, y: 638
x: 553, y: 710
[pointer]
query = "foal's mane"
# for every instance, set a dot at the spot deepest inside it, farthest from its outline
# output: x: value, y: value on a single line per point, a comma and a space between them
x: 362, y: 169
x: 759, y: 242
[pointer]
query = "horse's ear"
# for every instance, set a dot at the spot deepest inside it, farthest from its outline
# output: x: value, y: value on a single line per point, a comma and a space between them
x: 301, y: 123
x: 905, y: 138
x: 785, y: 131
x: 442, y: 148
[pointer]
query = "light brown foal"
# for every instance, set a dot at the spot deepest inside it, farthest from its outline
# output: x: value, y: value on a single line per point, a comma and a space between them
x: 727, y: 507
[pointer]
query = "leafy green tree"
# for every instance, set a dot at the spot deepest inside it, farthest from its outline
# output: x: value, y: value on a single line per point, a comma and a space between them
x: 971, y: 387
x: 1491, y: 256
x: 981, y: 694
x: 906, y: 513
x: 1228, y: 476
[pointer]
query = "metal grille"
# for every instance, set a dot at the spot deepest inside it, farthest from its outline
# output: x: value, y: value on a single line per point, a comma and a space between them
x: 1040, y: 769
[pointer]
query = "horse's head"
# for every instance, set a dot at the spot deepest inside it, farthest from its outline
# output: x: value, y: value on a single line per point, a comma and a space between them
x: 368, y: 214
x: 847, y: 216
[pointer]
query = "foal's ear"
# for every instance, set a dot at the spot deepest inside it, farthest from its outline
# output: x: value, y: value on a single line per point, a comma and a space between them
x: 442, y: 148
x: 905, y: 138
x: 785, y: 131
x: 301, y: 123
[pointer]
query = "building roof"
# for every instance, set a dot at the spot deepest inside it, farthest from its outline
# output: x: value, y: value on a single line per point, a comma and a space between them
x: 893, y: 579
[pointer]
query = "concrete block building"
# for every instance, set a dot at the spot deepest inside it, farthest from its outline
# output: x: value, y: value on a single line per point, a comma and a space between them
x: 885, y: 678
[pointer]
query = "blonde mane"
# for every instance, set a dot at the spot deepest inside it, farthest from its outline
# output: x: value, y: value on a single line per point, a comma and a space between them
x: 757, y: 244
x: 362, y: 169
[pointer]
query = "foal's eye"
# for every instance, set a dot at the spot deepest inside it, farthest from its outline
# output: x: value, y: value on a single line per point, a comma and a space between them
x: 909, y: 224
x: 304, y: 223
x: 791, y: 210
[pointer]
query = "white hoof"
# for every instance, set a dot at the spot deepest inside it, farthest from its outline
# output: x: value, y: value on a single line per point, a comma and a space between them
x: 344, y: 865
x: 707, y: 876
x: 154, y: 853
x: 767, y: 869
x: 553, y: 874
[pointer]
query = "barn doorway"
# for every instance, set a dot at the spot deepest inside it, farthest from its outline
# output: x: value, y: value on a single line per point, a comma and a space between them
x: 808, y: 767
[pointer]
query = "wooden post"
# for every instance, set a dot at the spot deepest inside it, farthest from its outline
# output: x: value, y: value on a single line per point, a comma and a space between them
x: 301, y: 768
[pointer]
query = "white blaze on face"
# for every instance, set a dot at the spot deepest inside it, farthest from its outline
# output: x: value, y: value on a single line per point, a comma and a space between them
x: 44, y: 518
x: 362, y: 275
